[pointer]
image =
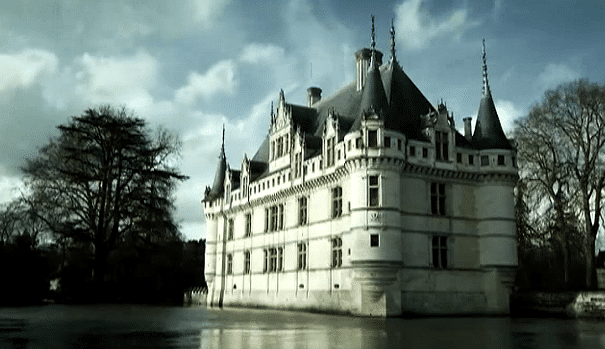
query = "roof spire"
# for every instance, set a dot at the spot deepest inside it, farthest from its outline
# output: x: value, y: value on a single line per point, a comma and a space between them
x: 223, y: 144
x: 393, y: 59
x: 373, y: 45
x: 373, y: 35
x: 485, y: 89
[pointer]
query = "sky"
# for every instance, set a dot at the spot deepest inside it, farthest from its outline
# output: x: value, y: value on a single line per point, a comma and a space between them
x: 193, y: 66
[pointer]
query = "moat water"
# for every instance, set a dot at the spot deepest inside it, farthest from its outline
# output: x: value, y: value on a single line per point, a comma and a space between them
x: 119, y: 326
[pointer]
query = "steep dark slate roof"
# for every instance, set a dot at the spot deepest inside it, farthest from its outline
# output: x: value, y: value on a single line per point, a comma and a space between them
x: 262, y: 154
x: 218, y: 189
x: 304, y: 117
x: 236, y: 175
x: 406, y: 102
x: 488, y: 130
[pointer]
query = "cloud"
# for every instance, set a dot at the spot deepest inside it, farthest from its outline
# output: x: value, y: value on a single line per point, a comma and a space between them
x: 420, y: 27
x: 10, y: 187
x: 508, y: 112
x: 22, y: 70
x: 555, y: 74
x: 323, y: 55
x: 206, y: 11
x: 260, y: 53
x: 219, y: 78
x: 116, y: 80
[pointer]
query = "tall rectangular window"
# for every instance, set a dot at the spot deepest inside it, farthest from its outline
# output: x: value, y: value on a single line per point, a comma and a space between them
x: 272, y: 260
x: 484, y: 160
x: 412, y: 151
x: 471, y: 160
x: 247, y: 262
x: 280, y: 147
x: 372, y: 138
x: 336, y: 202
x: 302, y: 256
x: 373, y: 191
x: 266, y: 261
x: 273, y: 221
x: 281, y: 217
x: 336, y: 252
x: 280, y: 259
x: 501, y: 160
x: 230, y: 229
x: 330, y: 151
x: 439, y: 249
x: 387, y: 142
x: 248, y: 224
x: 302, y: 210
x: 229, y: 263
x: 441, y: 146
x: 267, y: 218
x: 297, y: 165
x: 438, y: 198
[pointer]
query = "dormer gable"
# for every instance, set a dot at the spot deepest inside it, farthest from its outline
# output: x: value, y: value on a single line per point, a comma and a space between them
x: 439, y: 127
x: 298, y: 153
x: 245, y: 176
x: 329, y: 138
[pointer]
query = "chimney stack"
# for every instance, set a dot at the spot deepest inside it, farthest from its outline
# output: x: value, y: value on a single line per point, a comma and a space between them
x: 468, y: 134
x: 313, y: 96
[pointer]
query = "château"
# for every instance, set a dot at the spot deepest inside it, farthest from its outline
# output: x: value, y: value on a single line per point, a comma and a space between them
x: 367, y: 202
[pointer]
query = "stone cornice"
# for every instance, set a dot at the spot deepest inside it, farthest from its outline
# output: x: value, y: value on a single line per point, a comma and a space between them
x: 381, y: 162
x: 306, y: 186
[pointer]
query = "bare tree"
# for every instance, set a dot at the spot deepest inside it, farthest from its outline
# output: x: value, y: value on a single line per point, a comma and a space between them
x: 561, y: 150
x: 105, y: 180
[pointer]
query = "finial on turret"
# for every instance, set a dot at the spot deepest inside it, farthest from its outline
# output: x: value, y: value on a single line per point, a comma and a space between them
x: 373, y: 45
x: 485, y: 82
x: 393, y: 59
x: 223, y: 143
x: 373, y: 35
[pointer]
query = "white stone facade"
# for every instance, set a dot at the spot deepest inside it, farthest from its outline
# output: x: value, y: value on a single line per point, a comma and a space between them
x: 352, y: 215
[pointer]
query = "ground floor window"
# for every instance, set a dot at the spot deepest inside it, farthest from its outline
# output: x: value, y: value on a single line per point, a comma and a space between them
x: 229, y: 264
x: 274, y: 259
x: 439, y: 249
x: 247, y: 262
x: 302, y: 256
x: 336, y: 252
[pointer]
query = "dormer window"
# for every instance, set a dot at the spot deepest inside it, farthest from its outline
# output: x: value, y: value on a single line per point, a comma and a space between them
x: 441, y: 146
x: 330, y: 151
x: 372, y: 138
x: 280, y: 147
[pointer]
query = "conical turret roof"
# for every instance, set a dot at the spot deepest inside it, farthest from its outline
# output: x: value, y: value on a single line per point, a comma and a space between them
x: 373, y: 97
x: 218, y: 186
x: 488, y: 130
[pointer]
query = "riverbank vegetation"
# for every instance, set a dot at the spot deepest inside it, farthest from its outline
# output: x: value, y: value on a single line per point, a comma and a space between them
x: 95, y: 219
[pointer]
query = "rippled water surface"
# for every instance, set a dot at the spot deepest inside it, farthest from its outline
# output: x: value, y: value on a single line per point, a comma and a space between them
x: 118, y: 326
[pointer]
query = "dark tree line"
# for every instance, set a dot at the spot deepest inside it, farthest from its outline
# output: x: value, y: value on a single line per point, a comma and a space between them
x: 561, y: 156
x: 98, y: 209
